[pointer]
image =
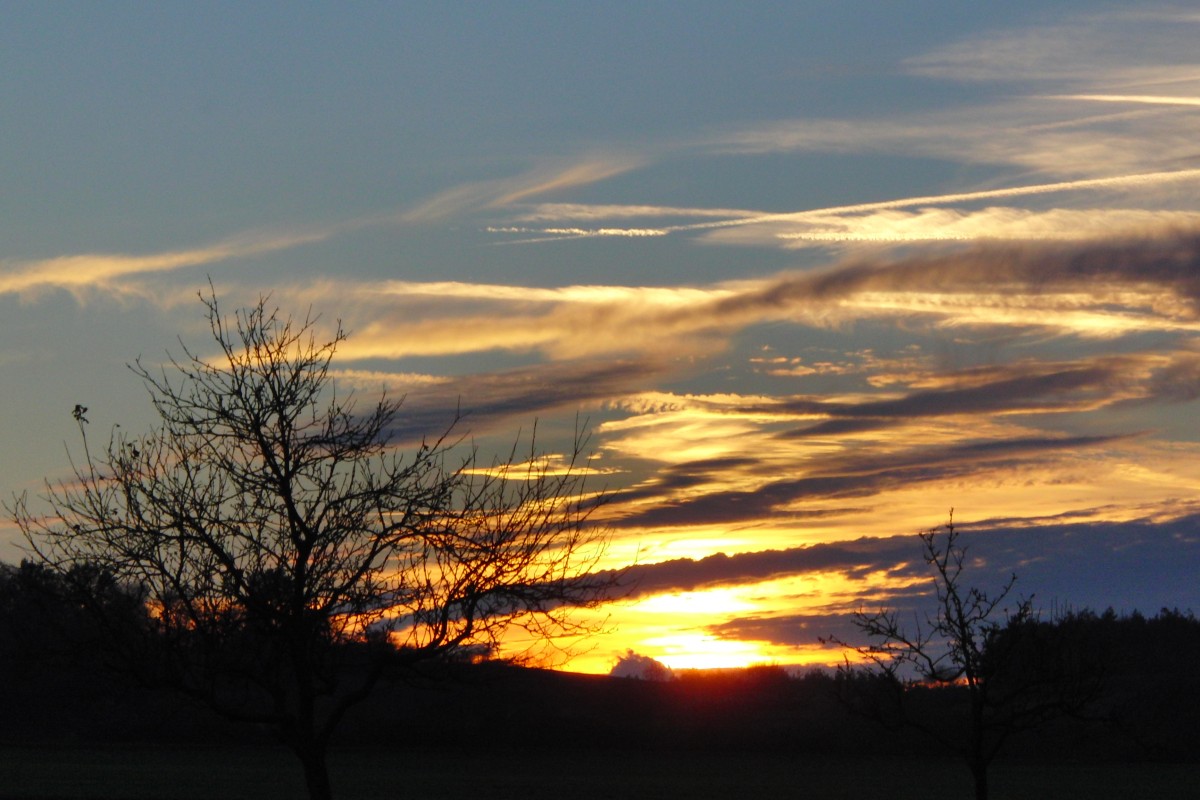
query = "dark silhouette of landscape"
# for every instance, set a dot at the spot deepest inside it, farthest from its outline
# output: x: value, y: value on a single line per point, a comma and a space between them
x: 62, y: 687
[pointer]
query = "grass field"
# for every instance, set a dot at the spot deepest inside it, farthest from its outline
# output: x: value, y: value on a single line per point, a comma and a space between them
x: 146, y: 773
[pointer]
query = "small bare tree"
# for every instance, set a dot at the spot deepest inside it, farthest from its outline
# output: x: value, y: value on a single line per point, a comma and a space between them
x: 1008, y: 669
x: 287, y: 553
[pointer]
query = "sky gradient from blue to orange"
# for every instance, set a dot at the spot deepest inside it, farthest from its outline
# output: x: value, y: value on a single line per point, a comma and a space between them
x: 815, y: 273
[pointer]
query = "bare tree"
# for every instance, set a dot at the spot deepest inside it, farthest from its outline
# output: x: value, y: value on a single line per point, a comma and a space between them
x: 973, y: 672
x: 288, y: 554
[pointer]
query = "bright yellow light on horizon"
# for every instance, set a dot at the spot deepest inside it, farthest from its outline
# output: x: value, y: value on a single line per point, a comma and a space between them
x: 683, y: 629
x: 704, y: 651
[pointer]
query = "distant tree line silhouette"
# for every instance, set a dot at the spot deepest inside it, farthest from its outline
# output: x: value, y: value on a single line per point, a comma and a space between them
x: 63, y: 684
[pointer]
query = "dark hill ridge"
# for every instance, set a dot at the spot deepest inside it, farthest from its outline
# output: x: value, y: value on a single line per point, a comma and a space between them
x: 489, y: 707
x: 58, y: 688
x: 482, y: 705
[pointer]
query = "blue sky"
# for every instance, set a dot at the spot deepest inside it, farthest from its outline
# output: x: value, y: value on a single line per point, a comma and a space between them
x: 813, y: 272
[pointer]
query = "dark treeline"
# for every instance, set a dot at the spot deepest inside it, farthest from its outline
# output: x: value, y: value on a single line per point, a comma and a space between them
x: 61, y: 684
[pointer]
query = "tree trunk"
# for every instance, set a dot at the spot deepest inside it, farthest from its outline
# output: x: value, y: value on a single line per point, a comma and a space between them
x: 979, y: 772
x: 316, y: 770
x: 978, y: 756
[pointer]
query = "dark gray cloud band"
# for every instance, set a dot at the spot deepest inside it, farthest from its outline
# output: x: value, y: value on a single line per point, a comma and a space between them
x: 850, y: 475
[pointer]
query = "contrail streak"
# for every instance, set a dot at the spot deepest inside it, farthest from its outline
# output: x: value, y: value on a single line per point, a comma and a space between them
x: 1140, y: 179
x: 1153, y: 99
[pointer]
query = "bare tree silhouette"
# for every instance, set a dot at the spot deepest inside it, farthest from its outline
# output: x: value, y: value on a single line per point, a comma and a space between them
x: 288, y: 554
x: 972, y: 673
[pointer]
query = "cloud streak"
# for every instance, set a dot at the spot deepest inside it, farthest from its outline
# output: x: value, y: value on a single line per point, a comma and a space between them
x: 1148, y: 99
x: 1105, y: 47
x: 1119, y: 181
x: 484, y: 400
x: 109, y: 272
x: 91, y: 271
x: 479, y: 195
x: 855, y: 476
x: 882, y: 221
x: 1089, y: 289
x: 1024, y: 388
x: 948, y: 225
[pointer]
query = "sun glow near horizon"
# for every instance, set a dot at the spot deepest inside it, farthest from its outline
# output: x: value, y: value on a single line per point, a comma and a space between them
x: 703, y: 628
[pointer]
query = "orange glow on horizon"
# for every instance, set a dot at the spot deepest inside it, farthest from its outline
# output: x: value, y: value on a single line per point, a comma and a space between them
x: 702, y: 651
x: 683, y: 630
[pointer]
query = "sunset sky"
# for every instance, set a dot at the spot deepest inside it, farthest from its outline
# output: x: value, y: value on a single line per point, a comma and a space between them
x: 814, y: 273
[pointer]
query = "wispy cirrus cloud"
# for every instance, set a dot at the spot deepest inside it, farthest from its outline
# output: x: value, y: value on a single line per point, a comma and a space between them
x: 1095, y: 288
x: 732, y: 471
x: 551, y: 234
x: 1045, y: 75
x: 1088, y: 289
x: 1136, y: 180
x: 1031, y: 134
x: 859, y: 477
x: 1028, y: 389
x: 115, y: 273
x: 941, y: 225
x: 89, y: 272
x: 1147, y: 99
x: 1147, y: 153
x: 550, y: 212
x: 568, y: 322
x: 1099, y: 47
x: 780, y: 493
x: 498, y: 192
x: 479, y: 401
x: 887, y: 220
x: 1020, y: 388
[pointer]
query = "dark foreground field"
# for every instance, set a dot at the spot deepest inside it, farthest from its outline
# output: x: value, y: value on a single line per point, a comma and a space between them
x: 491, y: 730
x: 147, y: 773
